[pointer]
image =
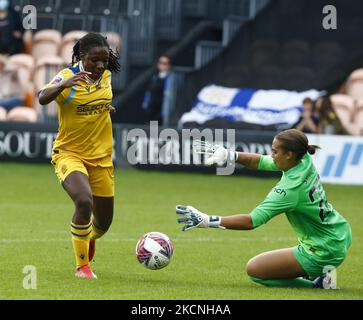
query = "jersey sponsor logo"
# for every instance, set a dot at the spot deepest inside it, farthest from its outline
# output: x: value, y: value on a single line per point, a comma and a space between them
x: 280, y: 191
x: 93, y: 110
x: 340, y: 162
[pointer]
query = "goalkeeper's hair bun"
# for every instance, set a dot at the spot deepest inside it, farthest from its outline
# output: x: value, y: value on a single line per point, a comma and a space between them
x: 297, y: 142
x: 312, y: 148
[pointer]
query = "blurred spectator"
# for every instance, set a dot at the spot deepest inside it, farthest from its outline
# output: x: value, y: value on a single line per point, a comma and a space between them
x: 329, y: 122
x: 11, y: 89
x: 309, y: 121
x: 157, y: 98
x: 11, y: 29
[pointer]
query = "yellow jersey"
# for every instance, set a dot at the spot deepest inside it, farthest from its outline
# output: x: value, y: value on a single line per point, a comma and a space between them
x: 85, y: 127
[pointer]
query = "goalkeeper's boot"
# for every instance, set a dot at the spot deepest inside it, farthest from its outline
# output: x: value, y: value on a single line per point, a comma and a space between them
x: 85, y: 272
x: 92, y: 249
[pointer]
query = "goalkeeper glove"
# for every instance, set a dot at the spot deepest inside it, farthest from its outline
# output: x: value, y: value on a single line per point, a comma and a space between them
x: 221, y: 156
x: 193, y: 218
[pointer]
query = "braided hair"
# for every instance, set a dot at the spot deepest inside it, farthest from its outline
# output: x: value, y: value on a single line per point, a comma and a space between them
x: 91, y: 40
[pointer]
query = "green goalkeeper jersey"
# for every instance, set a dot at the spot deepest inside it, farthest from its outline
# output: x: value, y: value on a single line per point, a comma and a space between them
x: 321, y: 230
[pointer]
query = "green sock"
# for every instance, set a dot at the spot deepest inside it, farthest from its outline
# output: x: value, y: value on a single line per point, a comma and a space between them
x: 295, y: 283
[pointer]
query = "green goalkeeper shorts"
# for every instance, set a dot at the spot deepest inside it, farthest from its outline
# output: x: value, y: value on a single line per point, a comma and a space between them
x: 313, y: 265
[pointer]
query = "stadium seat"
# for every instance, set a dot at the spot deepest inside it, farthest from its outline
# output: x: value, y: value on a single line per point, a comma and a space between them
x: 343, y: 101
x: 77, y: 7
x: 46, y: 21
x: 103, y: 8
x: 264, y: 53
x: 2, y: 114
x: 28, y: 41
x: 96, y: 23
x: 123, y: 6
x: 25, y: 64
x: 46, y: 69
x: 326, y: 54
x: 19, y: 4
x: 114, y: 40
x: 359, y: 118
x: 295, y: 53
x: 355, y: 84
x: 45, y: 6
x: 46, y: 43
x: 22, y: 114
x: 299, y: 79
x: 68, y: 23
x: 344, y: 107
x: 236, y: 76
x: 268, y: 77
x: 68, y: 42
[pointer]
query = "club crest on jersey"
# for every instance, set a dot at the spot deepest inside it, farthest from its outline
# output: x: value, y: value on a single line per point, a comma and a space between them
x: 57, y: 79
x: 88, y: 88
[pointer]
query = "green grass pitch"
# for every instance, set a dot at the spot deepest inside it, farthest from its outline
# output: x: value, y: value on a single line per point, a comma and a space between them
x: 207, y: 264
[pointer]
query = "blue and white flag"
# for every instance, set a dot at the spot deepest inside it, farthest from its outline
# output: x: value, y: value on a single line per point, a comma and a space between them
x: 262, y: 107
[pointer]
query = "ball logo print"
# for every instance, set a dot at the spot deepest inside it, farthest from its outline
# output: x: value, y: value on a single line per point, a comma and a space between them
x: 154, y: 250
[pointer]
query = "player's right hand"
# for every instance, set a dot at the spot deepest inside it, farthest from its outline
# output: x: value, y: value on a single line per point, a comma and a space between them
x: 220, y: 156
x: 74, y: 80
x: 192, y: 217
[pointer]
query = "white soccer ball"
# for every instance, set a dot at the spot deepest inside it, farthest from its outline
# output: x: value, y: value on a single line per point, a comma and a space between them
x: 154, y: 250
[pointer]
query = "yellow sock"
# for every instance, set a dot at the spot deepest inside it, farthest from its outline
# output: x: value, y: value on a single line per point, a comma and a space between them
x: 96, y: 233
x: 80, y: 241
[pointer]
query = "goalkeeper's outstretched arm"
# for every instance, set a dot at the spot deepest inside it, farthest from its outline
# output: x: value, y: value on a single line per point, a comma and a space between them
x: 193, y: 218
x: 237, y: 222
x: 249, y: 160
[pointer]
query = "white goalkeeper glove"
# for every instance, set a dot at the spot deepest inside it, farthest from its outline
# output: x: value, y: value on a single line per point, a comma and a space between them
x: 193, y: 218
x: 218, y: 154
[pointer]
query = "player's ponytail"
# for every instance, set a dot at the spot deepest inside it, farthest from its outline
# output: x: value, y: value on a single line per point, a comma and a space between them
x: 297, y: 142
x: 312, y: 148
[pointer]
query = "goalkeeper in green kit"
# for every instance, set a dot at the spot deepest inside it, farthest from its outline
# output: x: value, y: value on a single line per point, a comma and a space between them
x: 324, y: 235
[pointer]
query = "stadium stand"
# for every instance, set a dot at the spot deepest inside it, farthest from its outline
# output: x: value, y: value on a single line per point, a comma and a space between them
x: 114, y: 41
x: 264, y: 52
x: 355, y: 84
x: 46, y: 43
x: 23, y: 114
x: 103, y: 8
x: 68, y: 42
x: 76, y: 7
x: 299, y: 79
x: 344, y: 107
x: 295, y: 53
x: 46, y: 68
x: 46, y: 6
x: 25, y: 64
x: 2, y: 114
x: 46, y: 21
x: 359, y: 116
x: 69, y: 22
x: 267, y: 77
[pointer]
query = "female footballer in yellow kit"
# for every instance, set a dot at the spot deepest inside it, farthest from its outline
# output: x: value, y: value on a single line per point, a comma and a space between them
x: 82, y: 151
